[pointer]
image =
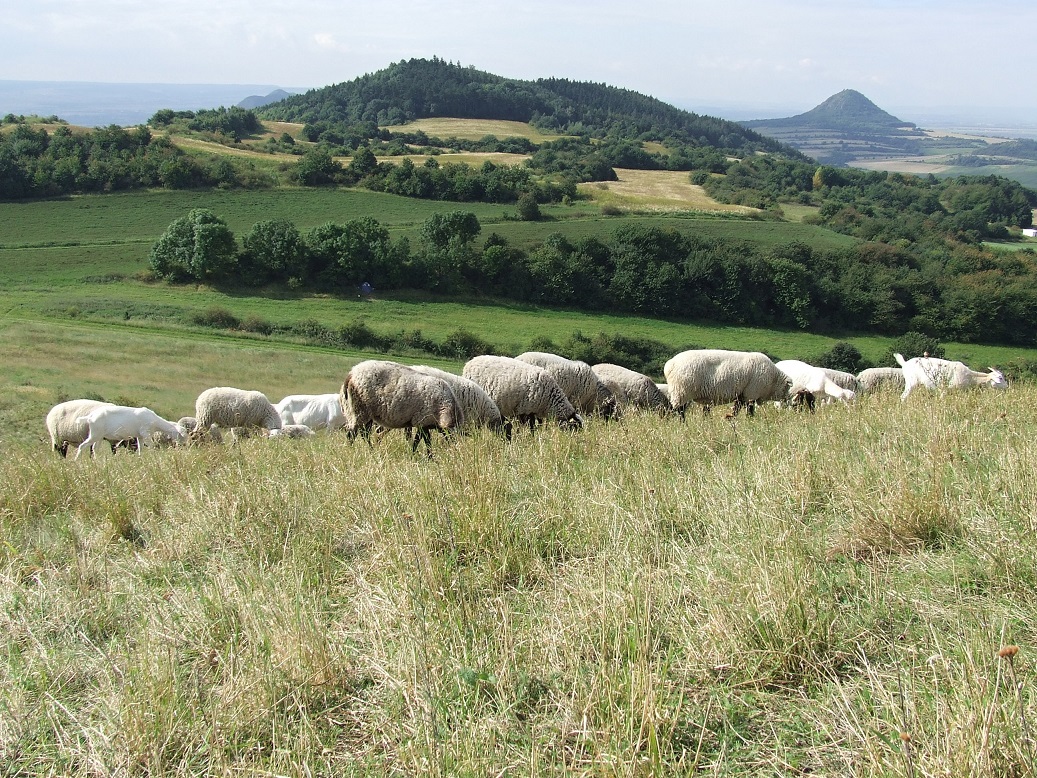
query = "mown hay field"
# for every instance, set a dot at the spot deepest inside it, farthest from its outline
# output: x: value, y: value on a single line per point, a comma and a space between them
x: 474, y: 129
x: 823, y: 594
x: 657, y: 190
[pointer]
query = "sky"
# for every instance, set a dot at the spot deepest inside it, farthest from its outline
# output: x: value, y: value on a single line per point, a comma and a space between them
x: 755, y: 58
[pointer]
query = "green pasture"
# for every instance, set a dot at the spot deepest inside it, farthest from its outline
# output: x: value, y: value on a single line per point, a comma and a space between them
x: 81, y: 318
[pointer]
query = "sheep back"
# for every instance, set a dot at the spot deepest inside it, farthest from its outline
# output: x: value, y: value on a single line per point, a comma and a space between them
x: 874, y: 379
x: 65, y: 423
x: 632, y: 388
x: 584, y: 389
x: 715, y: 376
x: 228, y: 407
x: 519, y: 389
x: 396, y: 396
x: 479, y: 408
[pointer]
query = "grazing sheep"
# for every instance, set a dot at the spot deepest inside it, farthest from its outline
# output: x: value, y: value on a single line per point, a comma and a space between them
x: 632, y: 388
x: 665, y: 389
x: 522, y: 391
x: 581, y: 385
x: 229, y: 408
x: 934, y: 373
x: 714, y: 376
x: 395, y: 396
x: 120, y: 422
x: 478, y: 407
x: 292, y: 431
x: 316, y: 411
x: 65, y: 425
x: 876, y: 379
x: 809, y: 383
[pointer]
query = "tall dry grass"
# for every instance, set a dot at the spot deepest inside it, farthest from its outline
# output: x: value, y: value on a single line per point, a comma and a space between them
x: 782, y: 595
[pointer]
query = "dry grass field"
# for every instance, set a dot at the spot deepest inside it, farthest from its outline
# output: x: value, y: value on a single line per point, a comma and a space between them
x: 473, y: 158
x: 656, y: 190
x: 474, y: 129
x: 789, y: 595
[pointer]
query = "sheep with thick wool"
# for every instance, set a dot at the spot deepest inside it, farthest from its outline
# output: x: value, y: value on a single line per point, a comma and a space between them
x: 874, y: 379
x: 631, y: 388
x: 581, y: 385
x: 226, y: 407
x: 478, y: 407
x: 933, y: 373
x: 396, y: 396
x: 843, y: 379
x: 716, y: 376
x: 809, y: 383
x: 121, y: 422
x: 65, y: 425
x: 522, y: 391
x: 316, y: 411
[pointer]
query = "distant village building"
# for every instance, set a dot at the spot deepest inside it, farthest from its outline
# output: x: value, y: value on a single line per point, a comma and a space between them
x: 1030, y: 232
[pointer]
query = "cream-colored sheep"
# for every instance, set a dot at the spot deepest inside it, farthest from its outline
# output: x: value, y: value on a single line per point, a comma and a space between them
x: 479, y: 408
x: 581, y: 385
x: 632, y: 388
x: 229, y: 408
x: 395, y: 396
x: 522, y: 391
x: 715, y: 376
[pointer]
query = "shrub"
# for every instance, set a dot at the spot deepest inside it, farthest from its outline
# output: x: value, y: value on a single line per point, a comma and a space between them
x: 913, y: 344
x: 843, y: 356
x: 217, y: 318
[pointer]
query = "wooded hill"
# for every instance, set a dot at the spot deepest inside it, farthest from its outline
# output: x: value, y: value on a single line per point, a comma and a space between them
x: 423, y: 88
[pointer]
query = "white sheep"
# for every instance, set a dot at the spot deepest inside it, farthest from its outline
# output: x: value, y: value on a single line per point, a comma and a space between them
x: 665, y: 389
x: 65, y: 425
x: 395, y: 396
x: 316, y: 411
x: 714, y: 376
x: 479, y: 408
x: 632, y: 388
x: 121, y: 422
x: 934, y: 373
x: 809, y: 383
x: 581, y: 385
x: 874, y: 379
x: 229, y: 408
x: 522, y: 391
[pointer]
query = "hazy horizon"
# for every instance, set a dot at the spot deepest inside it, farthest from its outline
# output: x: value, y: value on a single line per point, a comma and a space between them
x: 99, y: 103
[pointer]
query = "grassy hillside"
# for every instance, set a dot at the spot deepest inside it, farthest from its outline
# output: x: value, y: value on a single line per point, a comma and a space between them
x: 794, y: 594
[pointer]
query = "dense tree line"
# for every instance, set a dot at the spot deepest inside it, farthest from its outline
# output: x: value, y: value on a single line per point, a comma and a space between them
x: 958, y: 292
x: 421, y: 88
x: 37, y: 163
x: 881, y: 206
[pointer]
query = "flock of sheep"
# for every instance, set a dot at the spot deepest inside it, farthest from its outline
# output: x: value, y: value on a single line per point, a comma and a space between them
x: 495, y: 392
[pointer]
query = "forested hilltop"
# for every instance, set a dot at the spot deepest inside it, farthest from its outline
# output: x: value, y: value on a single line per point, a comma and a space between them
x: 423, y: 88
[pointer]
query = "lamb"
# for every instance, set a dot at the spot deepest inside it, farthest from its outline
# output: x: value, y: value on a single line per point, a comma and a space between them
x: 632, y: 388
x: 874, y: 379
x: 714, y: 376
x: 229, y: 408
x: 64, y: 424
x: 293, y: 431
x: 581, y: 385
x: 478, y: 407
x: 316, y: 411
x: 522, y: 391
x: 396, y: 396
x: 809, y: 382
x: 934, y: 373
x: 121, y: 422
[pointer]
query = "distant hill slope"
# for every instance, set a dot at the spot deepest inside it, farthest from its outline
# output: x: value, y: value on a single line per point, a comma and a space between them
x: 258, y: 101
x: 849, y: 111
x: 422, y: 88
x: 847, y: 127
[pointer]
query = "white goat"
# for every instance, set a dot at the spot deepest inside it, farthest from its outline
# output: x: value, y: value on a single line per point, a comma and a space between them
x: 120, y: 422
x: 316, y: 411
x: 934, y: 373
